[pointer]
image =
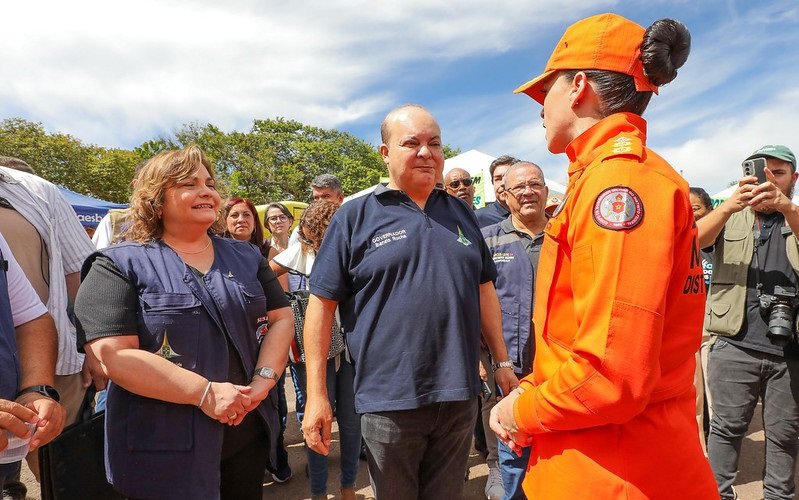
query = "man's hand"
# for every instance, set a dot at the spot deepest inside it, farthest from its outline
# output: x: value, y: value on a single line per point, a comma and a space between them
x: 768, y: 197
x: 741, y: 197
x: 506, y: 381
x: 13, y: 417
x: 503, y: 423
x: 482, y: 371
x: 51, y: 417
x: 317, y: 424
x: 92, y: 371
x: 260, y: 388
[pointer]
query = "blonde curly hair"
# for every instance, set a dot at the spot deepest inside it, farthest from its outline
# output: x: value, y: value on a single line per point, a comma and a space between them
x: 161, y: 172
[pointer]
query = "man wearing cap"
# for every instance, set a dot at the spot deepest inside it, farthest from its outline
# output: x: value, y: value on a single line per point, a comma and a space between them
x: 497, y: 211
x: 755, y: 274
x: 413, y: 280
x: 459, y: 183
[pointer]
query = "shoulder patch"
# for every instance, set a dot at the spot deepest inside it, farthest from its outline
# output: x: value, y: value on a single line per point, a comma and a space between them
x: 618, y: 208
x: 622, y: 145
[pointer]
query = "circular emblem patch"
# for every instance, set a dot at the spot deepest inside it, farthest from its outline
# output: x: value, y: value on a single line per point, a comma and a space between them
x: 617, y: 208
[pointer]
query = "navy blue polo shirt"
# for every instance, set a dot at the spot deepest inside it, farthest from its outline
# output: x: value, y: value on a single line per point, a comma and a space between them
x: 491, y: 214
x: 407, y: 283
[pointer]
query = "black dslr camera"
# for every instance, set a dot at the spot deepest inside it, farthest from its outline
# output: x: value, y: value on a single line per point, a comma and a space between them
x: 780, y: 309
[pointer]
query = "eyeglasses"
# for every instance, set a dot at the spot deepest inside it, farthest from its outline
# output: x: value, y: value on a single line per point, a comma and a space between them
x: 277, y: 218
x: 520, y: 189
x: 457, y: 183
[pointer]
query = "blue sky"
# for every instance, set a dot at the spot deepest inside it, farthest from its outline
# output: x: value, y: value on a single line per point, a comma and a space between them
x: 116, y: 74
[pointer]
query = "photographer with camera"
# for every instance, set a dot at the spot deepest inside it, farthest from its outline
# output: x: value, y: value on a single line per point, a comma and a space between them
x: 751, y: 311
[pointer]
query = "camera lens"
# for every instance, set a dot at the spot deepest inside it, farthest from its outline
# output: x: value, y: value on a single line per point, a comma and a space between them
x: 780, y: 324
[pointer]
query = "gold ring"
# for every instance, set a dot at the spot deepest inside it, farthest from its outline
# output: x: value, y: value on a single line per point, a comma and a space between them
x: 232, y: 416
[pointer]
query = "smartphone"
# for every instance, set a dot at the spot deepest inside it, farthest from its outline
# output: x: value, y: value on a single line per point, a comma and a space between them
x: 486, y: 390
x: 756, y: 168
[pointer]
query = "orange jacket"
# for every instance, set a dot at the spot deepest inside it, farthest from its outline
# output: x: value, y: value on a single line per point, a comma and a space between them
x: 619, y: 309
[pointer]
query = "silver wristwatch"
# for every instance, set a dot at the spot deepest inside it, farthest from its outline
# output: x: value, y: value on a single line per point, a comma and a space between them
x: 266, y: 372
x: 502, y: 364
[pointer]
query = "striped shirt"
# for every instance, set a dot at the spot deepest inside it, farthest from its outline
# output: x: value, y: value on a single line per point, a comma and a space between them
x: 43, y: 205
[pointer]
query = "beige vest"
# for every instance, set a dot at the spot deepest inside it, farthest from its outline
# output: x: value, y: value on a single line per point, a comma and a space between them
x: 118, y: 218
x: 726, y: 302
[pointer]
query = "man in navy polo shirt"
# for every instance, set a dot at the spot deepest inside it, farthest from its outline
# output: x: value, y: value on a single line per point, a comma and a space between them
x: 413, y: 280
x: 497, y: 211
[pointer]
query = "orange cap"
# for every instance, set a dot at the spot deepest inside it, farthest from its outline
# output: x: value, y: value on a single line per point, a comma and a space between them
x: 606, y: 41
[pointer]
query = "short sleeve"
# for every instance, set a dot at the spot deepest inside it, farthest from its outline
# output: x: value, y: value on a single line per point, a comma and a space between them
x: 25, y: 303
x: 275, y: 297
x: 102, y: 235
x: 294, y: 259
x: 107, y: 303
x: 489, y: 272
x: 330, y: 278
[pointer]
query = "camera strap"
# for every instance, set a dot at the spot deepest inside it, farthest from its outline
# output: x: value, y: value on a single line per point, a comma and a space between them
x: 762, y: 234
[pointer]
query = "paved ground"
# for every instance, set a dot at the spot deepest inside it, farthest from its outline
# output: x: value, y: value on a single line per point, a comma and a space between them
x: 748, y: 485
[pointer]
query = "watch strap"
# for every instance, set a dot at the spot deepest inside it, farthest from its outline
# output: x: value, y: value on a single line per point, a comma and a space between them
x: 502, y: 364
x: 45, y: 390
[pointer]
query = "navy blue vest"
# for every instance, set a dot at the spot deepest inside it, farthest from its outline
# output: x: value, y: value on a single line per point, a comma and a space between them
x: 9, y: 363
x: 156, y: 449
x: 515, y: 286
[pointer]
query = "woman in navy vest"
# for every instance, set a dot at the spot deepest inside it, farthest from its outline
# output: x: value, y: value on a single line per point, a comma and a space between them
x: 177, y: 319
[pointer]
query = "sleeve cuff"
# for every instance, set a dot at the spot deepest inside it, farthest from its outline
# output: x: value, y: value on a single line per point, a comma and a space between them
x: 524, y: 412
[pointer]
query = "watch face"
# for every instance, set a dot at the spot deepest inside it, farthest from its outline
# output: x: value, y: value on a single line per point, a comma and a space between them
x: 267, y: 373
x: 51, y: 392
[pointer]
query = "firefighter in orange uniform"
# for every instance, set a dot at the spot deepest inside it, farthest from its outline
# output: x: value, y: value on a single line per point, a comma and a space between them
x: 609, y: 407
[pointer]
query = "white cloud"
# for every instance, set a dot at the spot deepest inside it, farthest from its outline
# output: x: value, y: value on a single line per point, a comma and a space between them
x: 108, y: 71
x: 118, y: 73
x: 713, y: 160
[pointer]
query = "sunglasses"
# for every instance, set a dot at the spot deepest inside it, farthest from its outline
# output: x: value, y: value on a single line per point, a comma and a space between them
x: 457, y: 183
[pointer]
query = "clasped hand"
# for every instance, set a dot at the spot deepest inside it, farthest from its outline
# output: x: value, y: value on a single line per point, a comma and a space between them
x: 503, y: 423
x: 228, y: 403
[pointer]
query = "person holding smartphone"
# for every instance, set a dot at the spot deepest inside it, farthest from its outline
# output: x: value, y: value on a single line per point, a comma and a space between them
x: 751, y: 311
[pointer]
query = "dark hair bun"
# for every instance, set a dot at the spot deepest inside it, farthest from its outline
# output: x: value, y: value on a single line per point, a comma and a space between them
x: 665, y: 48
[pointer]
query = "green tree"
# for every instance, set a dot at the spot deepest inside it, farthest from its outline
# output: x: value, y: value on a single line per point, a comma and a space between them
x: 65, y: 160
x: 277, y: 158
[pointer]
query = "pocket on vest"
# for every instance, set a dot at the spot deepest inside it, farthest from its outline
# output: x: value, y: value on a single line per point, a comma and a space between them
x: 718, y: 320
x: 155, y: 425
x: 510, y: 325
x: 734, y: 246
x: 171, y: 327
x: 254, y: 300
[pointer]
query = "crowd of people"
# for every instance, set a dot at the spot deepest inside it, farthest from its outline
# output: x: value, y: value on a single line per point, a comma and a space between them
x: 614, y: 345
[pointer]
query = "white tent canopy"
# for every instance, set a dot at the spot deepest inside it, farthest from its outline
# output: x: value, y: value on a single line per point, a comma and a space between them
x: 477, y: 164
